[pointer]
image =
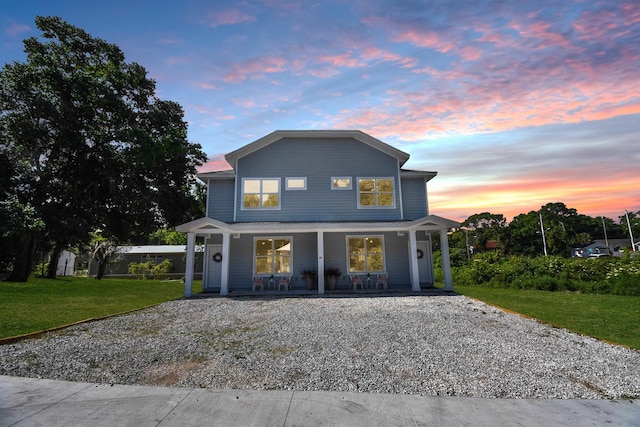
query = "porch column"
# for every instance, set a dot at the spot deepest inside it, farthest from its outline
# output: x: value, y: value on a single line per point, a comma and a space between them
x: 413, y: 261
x: 320, y: 262
x: 446, y: 261
x: 188, y: 275
x: 224, y: 273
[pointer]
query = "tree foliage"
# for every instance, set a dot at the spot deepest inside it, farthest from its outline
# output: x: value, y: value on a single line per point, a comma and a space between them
x: 564, y: 228
x: 92, y: 145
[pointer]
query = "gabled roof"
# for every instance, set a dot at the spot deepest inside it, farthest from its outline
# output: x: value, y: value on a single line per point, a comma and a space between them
x: 241, y: 152
x: 225, y: 174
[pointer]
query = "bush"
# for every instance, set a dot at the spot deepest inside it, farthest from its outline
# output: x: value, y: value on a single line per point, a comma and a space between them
x: 150, y: 270
x: 552, y: 273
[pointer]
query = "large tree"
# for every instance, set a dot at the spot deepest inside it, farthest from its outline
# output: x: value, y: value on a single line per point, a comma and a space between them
x: 484, y: 227
x: 98, y: 149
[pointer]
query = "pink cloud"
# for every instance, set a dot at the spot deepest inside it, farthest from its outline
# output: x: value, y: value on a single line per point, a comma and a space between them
x: 244, y: 103
x: 169, y: 41
x: 373, y: 53
x: 178, y: 60
x: 527, y: 193
x: 256, y: 67
x: 425, y: 38
x: 290, y: 6
x: 15, y: 30
x: 341, y: 60
x: 207, y: 86
x: 229, y: 17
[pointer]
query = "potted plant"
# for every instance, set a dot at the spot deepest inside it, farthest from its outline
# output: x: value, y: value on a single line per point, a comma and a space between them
x: 333, y: 274
x: 309, y: 277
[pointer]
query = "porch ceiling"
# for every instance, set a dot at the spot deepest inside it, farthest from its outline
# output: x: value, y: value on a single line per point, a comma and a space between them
x: 210, y: 226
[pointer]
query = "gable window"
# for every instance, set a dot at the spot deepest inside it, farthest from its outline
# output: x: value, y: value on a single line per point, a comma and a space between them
x: 375, y: 192
x: 366, y: 253
x: 261, y: 193
x: 341, y: 183
x: 272, y: 255
x: 297, y: 183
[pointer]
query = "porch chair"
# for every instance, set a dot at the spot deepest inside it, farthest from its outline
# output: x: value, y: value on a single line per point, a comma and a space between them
x: 285, y: 281
x: 382, y: 281
x: 258, y: 282
x: 356, y: 281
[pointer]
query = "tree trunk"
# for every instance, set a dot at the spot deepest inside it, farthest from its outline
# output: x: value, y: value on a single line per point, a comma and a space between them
x: 53, y: 261
x: 24, y: 246
x: 102, y: 266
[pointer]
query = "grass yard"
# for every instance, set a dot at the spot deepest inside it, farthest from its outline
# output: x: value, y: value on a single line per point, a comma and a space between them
x: 611, y: 318
x: 46, y: 303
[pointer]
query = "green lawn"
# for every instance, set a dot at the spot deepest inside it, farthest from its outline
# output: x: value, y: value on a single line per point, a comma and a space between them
x: 611, y: 318
x: 45, y: 303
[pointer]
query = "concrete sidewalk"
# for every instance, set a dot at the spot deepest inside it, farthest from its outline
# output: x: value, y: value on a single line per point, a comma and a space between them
x: 30, y: 402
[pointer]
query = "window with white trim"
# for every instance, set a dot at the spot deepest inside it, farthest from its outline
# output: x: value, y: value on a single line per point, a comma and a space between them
x: 366, y: 254
x: 272, y: 255
x: 375, y: 192
x: 261, y: 193
x: 341, y: 183
x: 296, y: 183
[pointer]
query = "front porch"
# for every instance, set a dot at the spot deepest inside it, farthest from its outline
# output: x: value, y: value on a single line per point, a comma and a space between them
x: 234, y: 255
x: 398, y: 290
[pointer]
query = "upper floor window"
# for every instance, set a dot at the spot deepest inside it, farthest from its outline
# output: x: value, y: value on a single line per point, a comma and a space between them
x: 341, y: 183
x: 261, y: 193
x: 297, y: 183
x: 375, y: 192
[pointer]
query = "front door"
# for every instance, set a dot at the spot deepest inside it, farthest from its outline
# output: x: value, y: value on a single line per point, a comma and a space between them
x: 214, y: 267
x: 425, y: 265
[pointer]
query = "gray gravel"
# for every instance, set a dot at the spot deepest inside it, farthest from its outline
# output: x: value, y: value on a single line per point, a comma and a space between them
x: 444, y: 345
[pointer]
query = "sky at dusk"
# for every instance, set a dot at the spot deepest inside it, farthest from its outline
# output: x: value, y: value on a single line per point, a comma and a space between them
x: 515, y: 104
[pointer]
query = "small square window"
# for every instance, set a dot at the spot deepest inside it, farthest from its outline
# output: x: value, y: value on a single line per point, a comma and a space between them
x: 297, y: 183
x: 341, y: 183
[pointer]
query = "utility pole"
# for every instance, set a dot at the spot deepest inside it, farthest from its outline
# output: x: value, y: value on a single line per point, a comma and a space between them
x: 544, y: 240
x: 606, y: 241
x: 466, y: 233
x: 630, y: 233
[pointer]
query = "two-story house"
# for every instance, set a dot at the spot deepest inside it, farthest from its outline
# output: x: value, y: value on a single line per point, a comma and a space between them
x: 312, y: 200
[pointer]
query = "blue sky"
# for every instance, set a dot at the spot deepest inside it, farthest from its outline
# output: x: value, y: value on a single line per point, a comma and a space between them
x: 515, y: 104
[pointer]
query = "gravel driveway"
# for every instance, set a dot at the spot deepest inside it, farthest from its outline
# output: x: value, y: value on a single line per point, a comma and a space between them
x: 443, y: 345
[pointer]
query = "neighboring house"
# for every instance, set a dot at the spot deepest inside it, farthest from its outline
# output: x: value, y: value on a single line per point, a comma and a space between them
x: 599, y: 248
x: 119, y: 267
x: 312, y: 200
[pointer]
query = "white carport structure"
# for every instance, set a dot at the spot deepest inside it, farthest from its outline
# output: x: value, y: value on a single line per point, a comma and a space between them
x: 208, y: 226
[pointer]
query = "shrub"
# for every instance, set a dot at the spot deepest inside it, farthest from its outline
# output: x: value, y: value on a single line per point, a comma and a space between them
x: 150, y: 270
x: 601, y: 275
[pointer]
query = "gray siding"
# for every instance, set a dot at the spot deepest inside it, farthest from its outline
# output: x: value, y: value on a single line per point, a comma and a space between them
x: 318, y: 160
x: 241, y: 259
x: 220, y: 199
x: 414, y: 198
x: 305, y: 257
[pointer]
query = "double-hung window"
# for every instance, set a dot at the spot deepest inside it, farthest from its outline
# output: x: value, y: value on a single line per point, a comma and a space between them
x: 261, y: 193
x: 366, y: 254
x: 272, y: 255
x: 375, y: 192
